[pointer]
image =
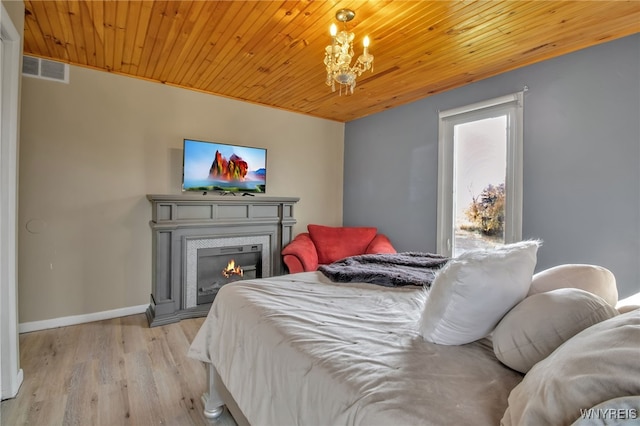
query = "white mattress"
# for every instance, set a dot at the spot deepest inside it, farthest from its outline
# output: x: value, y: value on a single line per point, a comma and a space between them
x: 301, y: 350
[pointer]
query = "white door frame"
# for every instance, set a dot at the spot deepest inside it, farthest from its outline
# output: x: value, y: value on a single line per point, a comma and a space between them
x: 513, y: 185
x: 10, y: 372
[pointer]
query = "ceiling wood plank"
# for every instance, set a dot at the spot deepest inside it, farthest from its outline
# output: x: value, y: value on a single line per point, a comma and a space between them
x: 120, y: 33
x: 96, y: 10
x: 41, y: 12
x: 34, y: 41
x: 256, y: 27
x: 189, y: 73
x: 129, y: 39
x: 88, y: 32
x: 109, y: 10
x: 151, y: 43
x: 146, y: 9
x: 72, y: 8
x: 227, y: 38
x: 64, y: 31
x: 172, y: 23
x: 197, y: 32
x: 177, y: 41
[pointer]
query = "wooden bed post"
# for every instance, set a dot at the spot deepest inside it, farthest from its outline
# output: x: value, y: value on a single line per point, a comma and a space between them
x: 213, y: 403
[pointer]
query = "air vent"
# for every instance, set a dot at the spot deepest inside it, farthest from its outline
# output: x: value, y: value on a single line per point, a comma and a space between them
x: 45, y: 69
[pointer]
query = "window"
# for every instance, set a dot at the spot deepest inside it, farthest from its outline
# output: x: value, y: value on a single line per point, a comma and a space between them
x: 480, y: 175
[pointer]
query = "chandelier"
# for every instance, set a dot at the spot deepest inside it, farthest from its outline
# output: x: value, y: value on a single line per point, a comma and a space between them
x: 339, y: 53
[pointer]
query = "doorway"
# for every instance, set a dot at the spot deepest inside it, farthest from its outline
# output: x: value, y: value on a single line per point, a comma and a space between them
x: 480, y: 175
x: 10, y: 372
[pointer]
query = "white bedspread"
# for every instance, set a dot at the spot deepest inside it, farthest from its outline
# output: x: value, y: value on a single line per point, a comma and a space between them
x: 301, y: 350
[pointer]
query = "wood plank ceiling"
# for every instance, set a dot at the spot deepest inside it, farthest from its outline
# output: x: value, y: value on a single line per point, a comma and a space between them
x: 271, y: 52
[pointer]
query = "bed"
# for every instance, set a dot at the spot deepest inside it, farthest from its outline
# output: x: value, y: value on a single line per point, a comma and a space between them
x: 301, y: 349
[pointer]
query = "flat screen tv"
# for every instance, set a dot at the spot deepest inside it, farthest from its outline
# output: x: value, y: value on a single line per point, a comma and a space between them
x: 211, y: 166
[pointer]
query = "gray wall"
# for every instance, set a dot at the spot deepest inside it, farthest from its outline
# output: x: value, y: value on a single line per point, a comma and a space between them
x: 581, y: 161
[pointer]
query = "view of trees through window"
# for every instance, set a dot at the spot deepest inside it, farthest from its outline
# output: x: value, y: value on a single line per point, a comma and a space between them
x: 480, y: 168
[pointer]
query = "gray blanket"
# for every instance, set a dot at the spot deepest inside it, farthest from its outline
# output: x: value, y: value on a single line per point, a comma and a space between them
x: 389, y: 270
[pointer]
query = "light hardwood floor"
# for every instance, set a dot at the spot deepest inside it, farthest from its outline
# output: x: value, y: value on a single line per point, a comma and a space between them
x: 112, y: 372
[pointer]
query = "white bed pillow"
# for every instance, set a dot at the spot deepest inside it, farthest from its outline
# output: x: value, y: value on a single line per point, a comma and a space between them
x: 596, y: 365
x: 535, y: 327
x: 592, y: 278
x: 473, y: 291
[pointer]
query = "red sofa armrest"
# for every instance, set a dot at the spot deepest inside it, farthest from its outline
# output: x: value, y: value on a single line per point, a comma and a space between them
x: 300, y: 255
x: 380, y: 244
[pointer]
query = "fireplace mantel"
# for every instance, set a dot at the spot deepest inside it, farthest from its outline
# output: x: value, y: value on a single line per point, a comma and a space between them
x: 178, y: 219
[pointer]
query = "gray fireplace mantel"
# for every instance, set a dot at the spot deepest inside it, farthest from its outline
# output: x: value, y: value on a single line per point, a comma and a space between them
x: 179, y: 219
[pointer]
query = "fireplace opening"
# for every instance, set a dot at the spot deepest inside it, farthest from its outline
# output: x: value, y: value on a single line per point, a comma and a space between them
x: 218, y: 266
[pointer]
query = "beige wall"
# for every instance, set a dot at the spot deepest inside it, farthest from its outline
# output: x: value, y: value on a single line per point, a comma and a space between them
x: 90, y: 152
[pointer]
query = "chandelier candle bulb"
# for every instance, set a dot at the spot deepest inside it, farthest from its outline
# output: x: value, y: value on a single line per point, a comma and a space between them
x: 365, y: 43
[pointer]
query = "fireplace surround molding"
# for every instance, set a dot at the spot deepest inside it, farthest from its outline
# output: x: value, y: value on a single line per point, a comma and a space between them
x: 182, y: 223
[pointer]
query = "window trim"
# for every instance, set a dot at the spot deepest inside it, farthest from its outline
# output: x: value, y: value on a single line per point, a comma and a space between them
x: 512, y: 106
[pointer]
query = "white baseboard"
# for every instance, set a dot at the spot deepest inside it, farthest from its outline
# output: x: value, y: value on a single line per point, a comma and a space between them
x: 27, y: 327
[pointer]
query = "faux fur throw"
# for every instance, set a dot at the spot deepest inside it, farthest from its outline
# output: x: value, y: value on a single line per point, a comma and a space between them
x: 389, y: 270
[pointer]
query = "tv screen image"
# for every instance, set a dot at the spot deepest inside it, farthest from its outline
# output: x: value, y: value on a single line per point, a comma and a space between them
x: 211, y: 166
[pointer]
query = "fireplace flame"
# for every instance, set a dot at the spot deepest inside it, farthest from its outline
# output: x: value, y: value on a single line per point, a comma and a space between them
x: 232, y: 269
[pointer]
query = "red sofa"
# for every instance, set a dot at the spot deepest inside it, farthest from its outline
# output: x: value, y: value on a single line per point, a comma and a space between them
x: 326, y: 244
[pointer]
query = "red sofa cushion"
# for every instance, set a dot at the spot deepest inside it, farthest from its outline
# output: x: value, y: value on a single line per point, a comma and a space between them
x: 335, y: 243
x: 380, y: 244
